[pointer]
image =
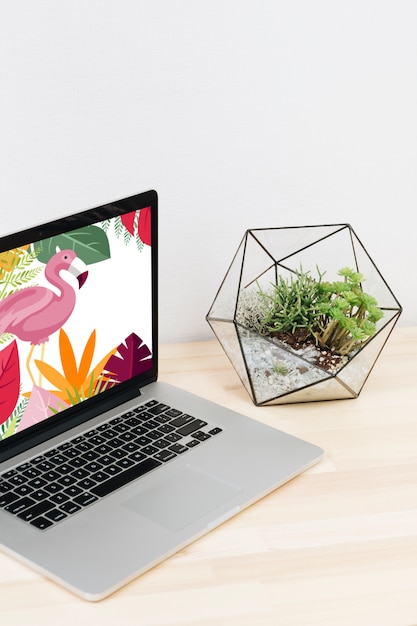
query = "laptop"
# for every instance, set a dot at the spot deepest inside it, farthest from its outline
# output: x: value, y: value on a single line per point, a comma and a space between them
x: 104, y: 471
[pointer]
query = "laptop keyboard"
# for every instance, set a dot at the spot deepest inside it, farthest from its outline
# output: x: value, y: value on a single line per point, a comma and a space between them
x: 70, y: 477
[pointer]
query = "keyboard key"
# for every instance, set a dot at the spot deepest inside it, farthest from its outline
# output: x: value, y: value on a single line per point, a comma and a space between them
x: 35, y: 511
x: 5, y: 486
x: 112, y: 470
x: 140, y: 430
x: 71, y: 453
x: 182, y: 420
x: 48, y: 476
x: 86, y: 484
x: 20, y: 505
x: 45, y: 466
x: 172, y: 437
x: 66, y: 481
x: 37, y: 483
x: 78, y: 462
x: 40, y: 494
x: 191, y: 427
x: 193, y: 443
x: 85, y: 499
x: 201, y: 436
x: 59, y: 498
x: 84, y: 446
x: 133, y: 421
x: 23, y: 490
x: 58, y: 459
x: 158, y: 408
x: 165, y: 455
x: 9, y: 474
x: 94, y: 467
x: 55, y: 515
x: 125, y: 463
x: 8, y: 498
x: 41, y: 523
x: 53, y: 488
x: 31, y: 472
x: 70, y: 507
x: 137, y: 470
x: 151, y: 403
x: 17, y: 479
x: 73, y: 491
x: 166, y: 428
x: 161, y: 443
x: 99, y: 477
x: 91, y: 455
x: 178, y: 448
x: 131, y: 447
x: 137, y: 456
x: 149, y: 450
x: 80, y: 473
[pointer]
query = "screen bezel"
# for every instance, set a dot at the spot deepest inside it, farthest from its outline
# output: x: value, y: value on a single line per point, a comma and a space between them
x: 91, y: 407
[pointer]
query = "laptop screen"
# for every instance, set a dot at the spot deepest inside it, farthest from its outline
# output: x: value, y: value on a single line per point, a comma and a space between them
x: 76, y: 313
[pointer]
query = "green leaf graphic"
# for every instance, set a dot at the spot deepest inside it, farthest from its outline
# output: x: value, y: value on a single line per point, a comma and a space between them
x: 90, y: 244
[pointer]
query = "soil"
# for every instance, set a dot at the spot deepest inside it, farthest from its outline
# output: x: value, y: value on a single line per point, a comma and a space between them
x: 301, y: 338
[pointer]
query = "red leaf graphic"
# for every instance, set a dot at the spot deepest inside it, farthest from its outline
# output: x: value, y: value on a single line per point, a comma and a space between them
x: 144, y: 225
x: 129, y: 222
x: 9, y: 380
x: 132, y: 359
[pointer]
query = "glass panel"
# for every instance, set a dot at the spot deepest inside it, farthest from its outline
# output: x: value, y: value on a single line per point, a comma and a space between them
x: 355, y: 373
x: 284, y: 242
x: 329, y: 255
x: 228, y: 338
x: 374, y: 284
x: 326, y: 390
x: 224, y: 303
x: 256, y: 263
x: 273, y: 370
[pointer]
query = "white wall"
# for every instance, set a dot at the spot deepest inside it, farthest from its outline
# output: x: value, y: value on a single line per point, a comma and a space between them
x: 241, y: 114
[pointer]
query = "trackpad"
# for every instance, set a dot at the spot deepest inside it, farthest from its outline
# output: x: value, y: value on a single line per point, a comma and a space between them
x: 181, y: 498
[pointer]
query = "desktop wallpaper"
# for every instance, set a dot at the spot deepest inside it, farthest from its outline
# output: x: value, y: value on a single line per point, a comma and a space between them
x: 75, y: 317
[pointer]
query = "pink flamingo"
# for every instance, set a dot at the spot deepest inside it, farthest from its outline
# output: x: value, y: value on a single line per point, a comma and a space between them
x: 33, y: 314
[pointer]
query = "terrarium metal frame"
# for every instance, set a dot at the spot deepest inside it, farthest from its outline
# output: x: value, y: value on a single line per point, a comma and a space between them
x: 271, y: 371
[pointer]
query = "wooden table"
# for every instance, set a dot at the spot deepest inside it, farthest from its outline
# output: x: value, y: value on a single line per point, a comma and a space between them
x: 336, y: 546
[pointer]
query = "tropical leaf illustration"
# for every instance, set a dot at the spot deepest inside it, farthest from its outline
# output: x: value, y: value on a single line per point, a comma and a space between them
x: 129, y: 220
x: 14, y: 272
x: 10, y: 258
x: 134, y: 225
x: 6, y: 337
x: 144, y: 225
x: 90, y: 244
x: 76, y: 383
x: 138, y: 224
x: 9, y: 380
x: 10, y: 426
x: 126, y: 226
x: 40, y: 406
x: 134, y: 357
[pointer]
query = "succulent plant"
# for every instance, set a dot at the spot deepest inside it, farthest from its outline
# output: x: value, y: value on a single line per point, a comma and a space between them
x: 339, y: 315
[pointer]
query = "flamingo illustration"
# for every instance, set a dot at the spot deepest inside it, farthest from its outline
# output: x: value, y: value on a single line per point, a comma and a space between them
x: 33, y: 314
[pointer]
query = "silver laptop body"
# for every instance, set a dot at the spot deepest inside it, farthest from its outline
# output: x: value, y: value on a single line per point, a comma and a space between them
x: 104, y: 471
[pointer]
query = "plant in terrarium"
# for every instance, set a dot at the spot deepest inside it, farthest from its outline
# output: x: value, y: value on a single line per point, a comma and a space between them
x: 347, y: 315
x: 337, y: 317
x: 294, y: 335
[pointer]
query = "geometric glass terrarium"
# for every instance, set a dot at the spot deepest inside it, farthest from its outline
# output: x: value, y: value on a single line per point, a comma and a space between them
x: 279, y: 370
